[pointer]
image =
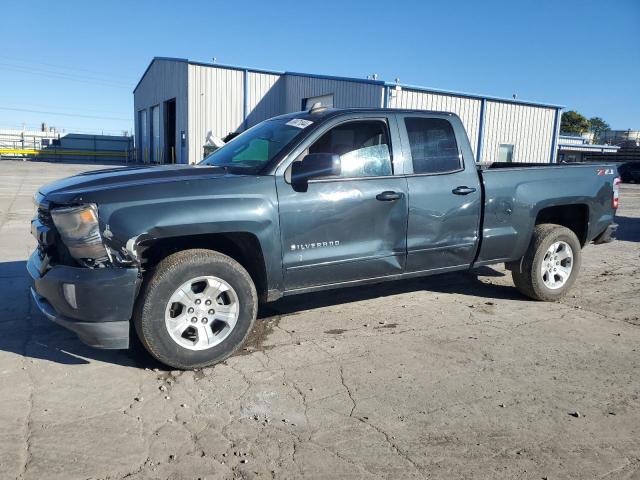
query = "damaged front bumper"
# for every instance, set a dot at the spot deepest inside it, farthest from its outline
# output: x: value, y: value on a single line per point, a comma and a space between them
x: 95, y: 303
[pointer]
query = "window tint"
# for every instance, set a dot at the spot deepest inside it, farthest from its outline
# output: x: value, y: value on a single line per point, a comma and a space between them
x: 363, y: 147
x: 257, y: 150
x: 433, y: 145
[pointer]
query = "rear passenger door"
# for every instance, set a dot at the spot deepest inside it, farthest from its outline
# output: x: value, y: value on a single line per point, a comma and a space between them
x: 444, y: 193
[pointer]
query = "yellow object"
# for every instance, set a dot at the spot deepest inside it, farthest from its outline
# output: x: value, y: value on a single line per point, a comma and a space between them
x: 24, y: 151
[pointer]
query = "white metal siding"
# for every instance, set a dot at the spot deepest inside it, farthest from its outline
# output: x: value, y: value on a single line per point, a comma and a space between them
x: 345, y: 93
x: 528, y: 128
x: 212, y: 98
x: 164, y: 80
x: 468, y: 109
x: 265, y: 96
x: 216, y: 104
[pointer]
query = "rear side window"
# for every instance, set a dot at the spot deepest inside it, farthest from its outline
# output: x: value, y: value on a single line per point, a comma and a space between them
x: 433, y: 145
x: 363, y: 147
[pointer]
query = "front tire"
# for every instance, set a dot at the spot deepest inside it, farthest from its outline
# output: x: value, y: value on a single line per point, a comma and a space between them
x: 551, y: 264
x: 196, y: 309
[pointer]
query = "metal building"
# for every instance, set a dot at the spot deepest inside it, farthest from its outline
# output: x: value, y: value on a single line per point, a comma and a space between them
x: 179, y: 104
x: 575, y: 148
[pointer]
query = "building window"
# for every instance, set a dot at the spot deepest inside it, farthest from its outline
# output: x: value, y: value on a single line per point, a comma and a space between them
x: 363, y: 147
x: 324, y: 100
x: 433, y: 145
x: 505, y: 153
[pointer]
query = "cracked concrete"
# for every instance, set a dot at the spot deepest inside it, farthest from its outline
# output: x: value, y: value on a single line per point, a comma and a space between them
x: 451, y: 377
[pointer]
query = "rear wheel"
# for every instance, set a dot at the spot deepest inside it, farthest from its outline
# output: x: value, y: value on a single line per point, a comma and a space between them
x: 196, y: 309
x: 551, y: 265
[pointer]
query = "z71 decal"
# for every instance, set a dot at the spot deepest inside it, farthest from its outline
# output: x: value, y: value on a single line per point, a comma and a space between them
x: 605, y: 171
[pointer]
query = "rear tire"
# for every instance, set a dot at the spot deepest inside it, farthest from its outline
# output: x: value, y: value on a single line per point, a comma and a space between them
x: 172, y: 320
x: 551, y: 264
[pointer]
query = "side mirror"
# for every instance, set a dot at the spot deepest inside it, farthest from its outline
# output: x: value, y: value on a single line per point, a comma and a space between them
x: 314, y: 165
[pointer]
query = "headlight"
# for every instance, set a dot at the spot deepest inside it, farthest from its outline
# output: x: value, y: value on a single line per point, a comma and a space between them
x: 36, y: 203
x: 80, y: 232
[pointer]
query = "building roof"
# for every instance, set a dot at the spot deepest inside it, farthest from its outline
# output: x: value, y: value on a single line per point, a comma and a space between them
x: 353, y: 79
x: 587, y: 147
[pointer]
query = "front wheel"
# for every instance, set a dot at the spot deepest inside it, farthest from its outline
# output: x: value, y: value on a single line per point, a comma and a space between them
x: 551, y: 264
x: 196, y: 309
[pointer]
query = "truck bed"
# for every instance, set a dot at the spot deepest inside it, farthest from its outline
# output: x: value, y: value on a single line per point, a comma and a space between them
x: 517, y: 195
x: 512, y: 165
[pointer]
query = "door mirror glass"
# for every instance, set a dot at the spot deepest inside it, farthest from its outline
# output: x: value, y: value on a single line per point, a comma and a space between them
x: 314, y: 165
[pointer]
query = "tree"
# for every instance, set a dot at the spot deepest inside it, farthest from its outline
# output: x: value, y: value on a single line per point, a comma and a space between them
x: 573, y: 122
x: 598, y: 127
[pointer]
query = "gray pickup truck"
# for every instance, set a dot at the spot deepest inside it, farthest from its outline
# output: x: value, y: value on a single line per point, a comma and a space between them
x: 307, y: 201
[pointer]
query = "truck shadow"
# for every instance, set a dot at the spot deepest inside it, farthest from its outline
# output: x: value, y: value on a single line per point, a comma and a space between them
x: 463, y: 283
x: 628, y: 229
x: 25, y: 332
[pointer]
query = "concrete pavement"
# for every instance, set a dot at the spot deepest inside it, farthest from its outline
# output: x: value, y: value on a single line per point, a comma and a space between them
x: 456, y: 376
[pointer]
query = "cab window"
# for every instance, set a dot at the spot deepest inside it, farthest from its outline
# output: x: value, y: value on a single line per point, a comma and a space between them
x: 433, y: 145
x: 363, y: 147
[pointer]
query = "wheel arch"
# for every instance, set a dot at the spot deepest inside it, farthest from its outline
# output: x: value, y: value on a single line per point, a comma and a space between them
x: 575, y: 217
x: 243, y: 247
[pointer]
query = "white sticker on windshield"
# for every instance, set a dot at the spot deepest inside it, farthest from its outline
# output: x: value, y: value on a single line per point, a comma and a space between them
x: 299, y: 123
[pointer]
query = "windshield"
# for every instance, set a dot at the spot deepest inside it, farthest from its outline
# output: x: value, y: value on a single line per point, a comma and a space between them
x: 255, y: 148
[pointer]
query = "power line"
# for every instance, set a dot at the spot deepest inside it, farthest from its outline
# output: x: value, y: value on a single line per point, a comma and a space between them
x: 66, y: 129
x: 79, y: 115
x: 65, y: 67
x: 60, y: 108
x: 63, y: 76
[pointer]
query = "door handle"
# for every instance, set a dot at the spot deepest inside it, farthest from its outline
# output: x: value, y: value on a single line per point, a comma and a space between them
x: 463, y: 190
x: 389, y: 196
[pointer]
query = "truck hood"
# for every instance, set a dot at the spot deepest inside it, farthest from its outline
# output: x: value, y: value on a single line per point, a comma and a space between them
x: 75, y: 187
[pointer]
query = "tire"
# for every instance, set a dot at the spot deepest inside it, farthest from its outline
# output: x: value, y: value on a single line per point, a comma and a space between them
x: 528, y: 274
x: 169, y: 280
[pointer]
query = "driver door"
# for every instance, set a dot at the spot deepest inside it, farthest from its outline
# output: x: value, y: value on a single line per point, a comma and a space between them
x: 351, y: 226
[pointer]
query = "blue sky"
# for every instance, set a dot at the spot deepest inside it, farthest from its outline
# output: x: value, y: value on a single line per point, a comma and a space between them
x: 73, y: 64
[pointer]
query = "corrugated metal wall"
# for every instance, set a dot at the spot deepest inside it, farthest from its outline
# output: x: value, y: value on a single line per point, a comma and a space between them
x: 265, y: 96
x: 528, y: 128
x: 216, y: 104
x: 345, y: 93
x: 468, y: 109
x: 212, y: 98
x: 163, y: 81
